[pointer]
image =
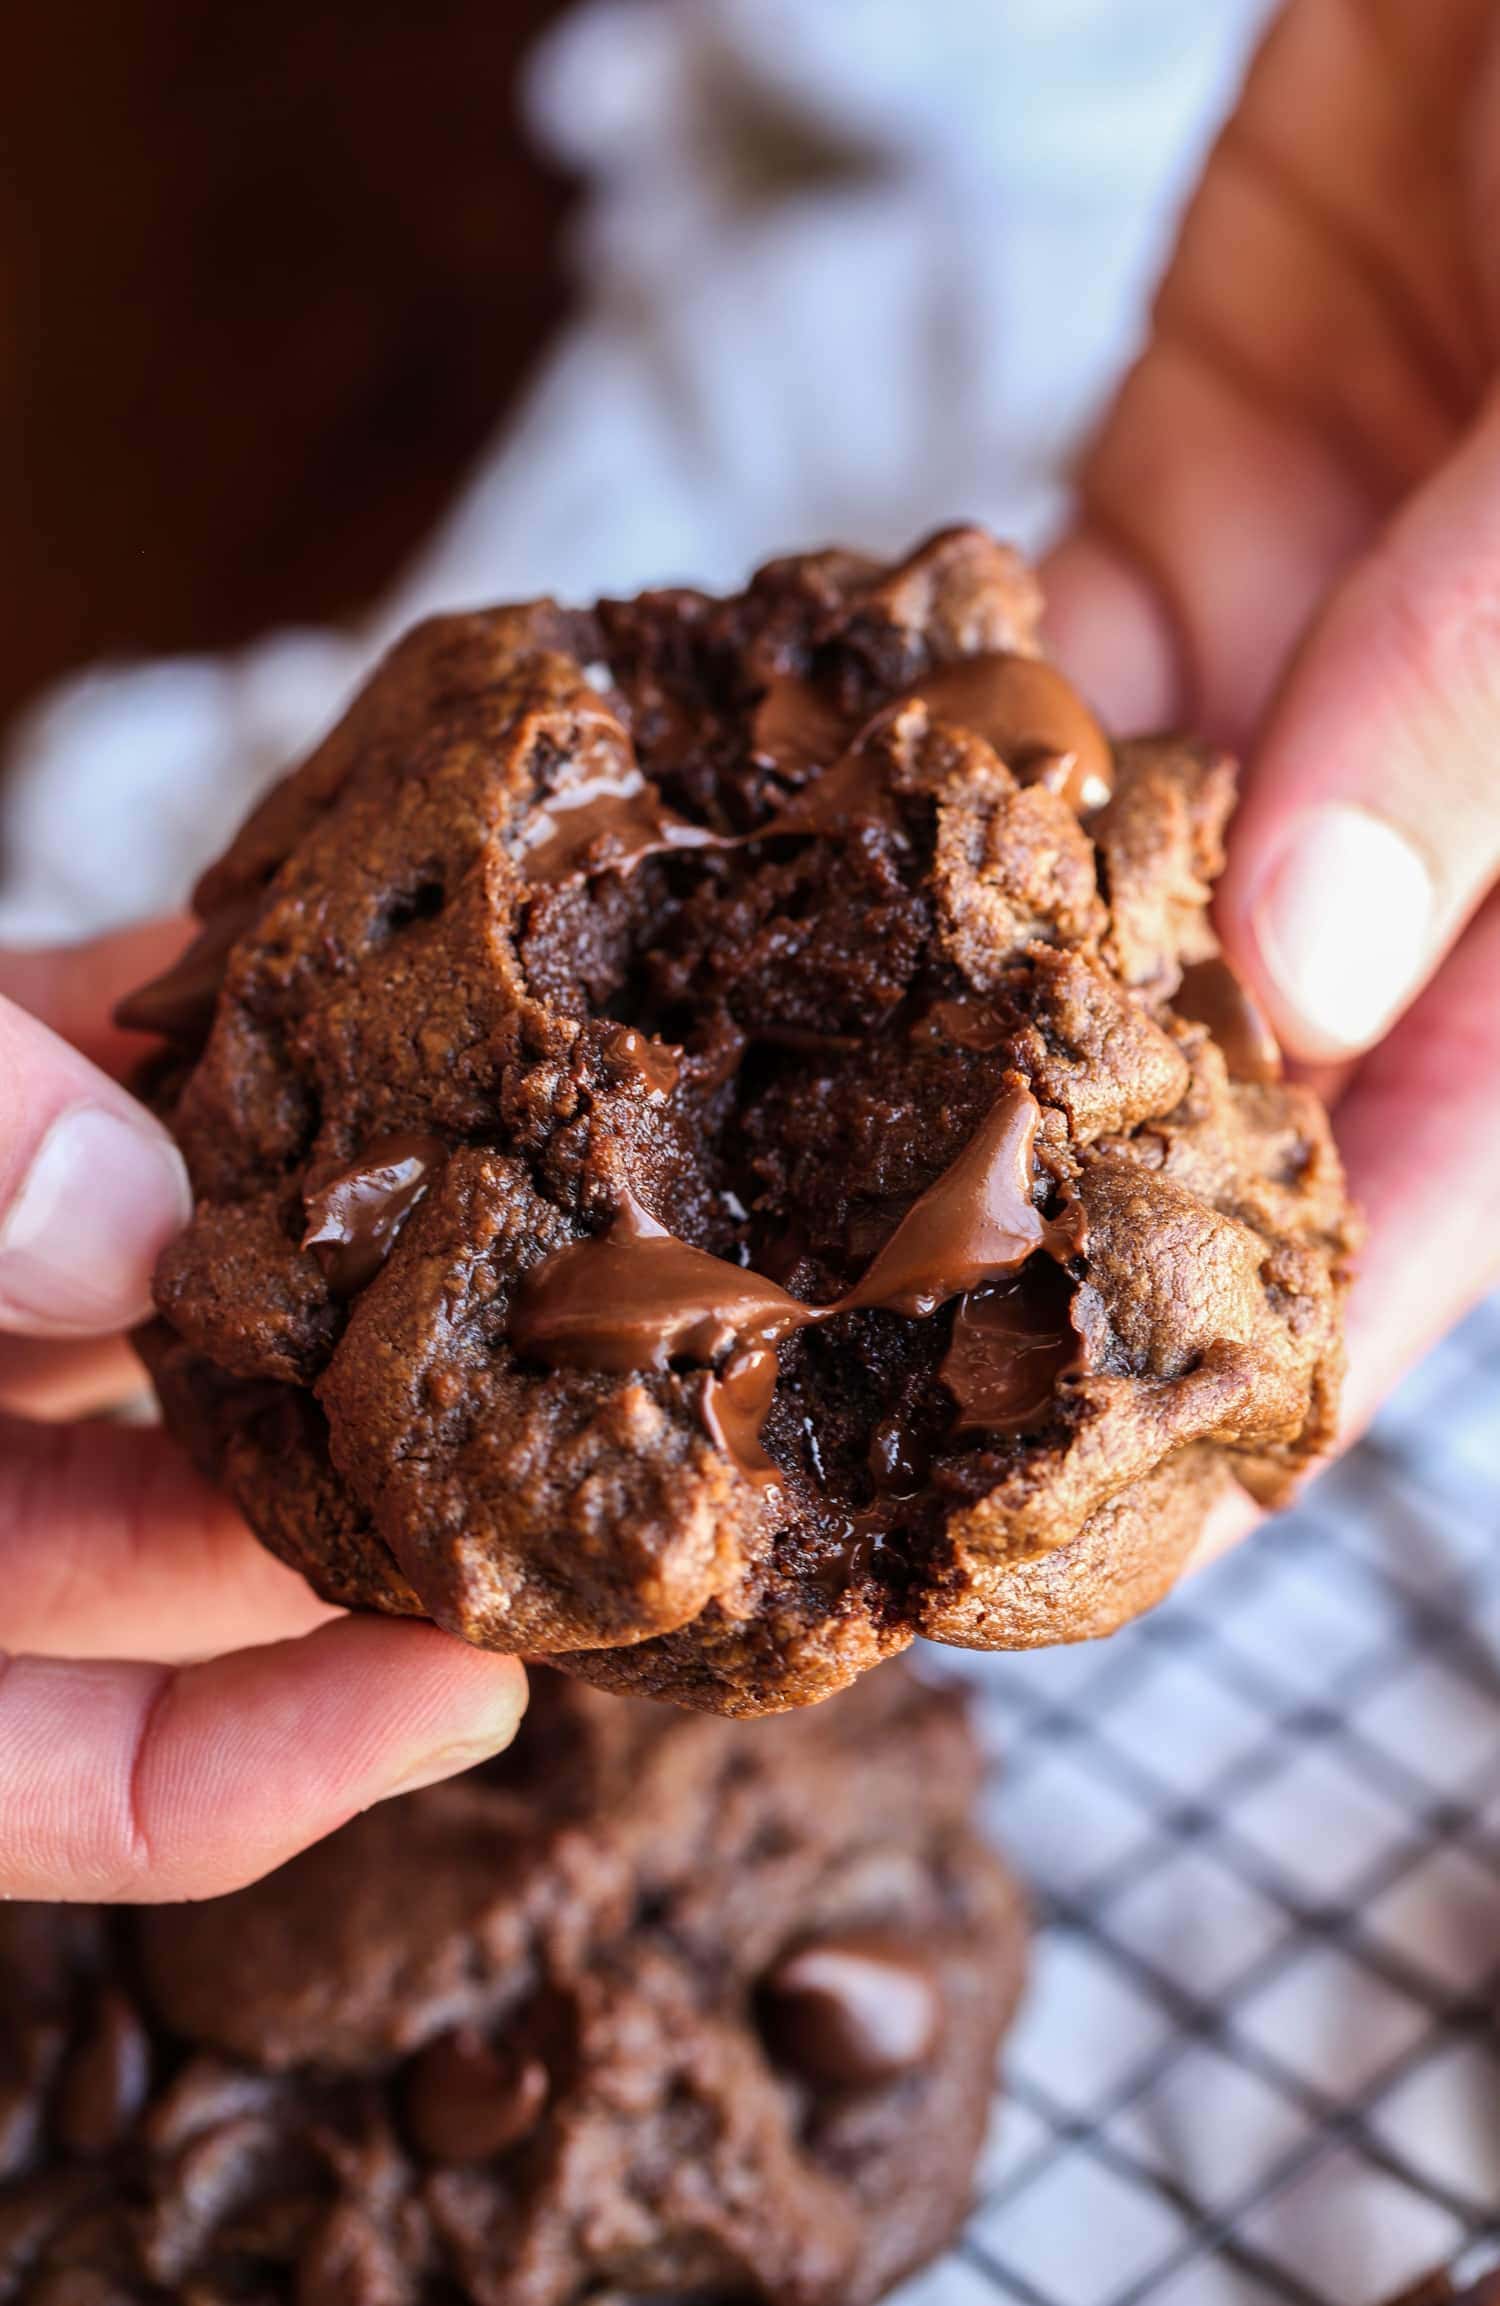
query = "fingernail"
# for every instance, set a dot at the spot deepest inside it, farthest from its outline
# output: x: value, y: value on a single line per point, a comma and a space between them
x: 481, y: 1744
x: 102, y: 1197
x: 1344, y: 923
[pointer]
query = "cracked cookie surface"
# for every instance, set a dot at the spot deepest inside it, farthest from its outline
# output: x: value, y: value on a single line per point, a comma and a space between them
x: 723, y: 1140
x: 653, y: 2007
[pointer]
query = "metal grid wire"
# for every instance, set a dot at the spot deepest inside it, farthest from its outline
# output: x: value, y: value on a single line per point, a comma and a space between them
x: 1259, y: 2065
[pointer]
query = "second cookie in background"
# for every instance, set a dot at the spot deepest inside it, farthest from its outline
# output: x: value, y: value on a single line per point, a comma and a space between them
x: 650, y: 2007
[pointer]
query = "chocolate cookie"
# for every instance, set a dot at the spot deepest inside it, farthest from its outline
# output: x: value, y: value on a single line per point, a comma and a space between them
x: 653, y: 2008
x: 723, y: 1140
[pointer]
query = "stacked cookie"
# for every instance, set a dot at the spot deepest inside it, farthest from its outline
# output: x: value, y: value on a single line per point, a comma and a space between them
x: 653, y: 2007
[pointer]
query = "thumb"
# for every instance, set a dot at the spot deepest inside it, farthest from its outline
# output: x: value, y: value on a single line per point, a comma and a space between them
x: 91, y: 1188
x: 1370, y: 830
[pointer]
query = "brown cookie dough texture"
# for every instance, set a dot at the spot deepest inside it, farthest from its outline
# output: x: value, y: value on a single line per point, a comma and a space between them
x: 723, y: 1141
x: 656, y: 2007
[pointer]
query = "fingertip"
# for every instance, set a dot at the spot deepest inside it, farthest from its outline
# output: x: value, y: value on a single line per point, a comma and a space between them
x: 101, y: 1191
x: 1332, y: 916
x: 465, y: 1704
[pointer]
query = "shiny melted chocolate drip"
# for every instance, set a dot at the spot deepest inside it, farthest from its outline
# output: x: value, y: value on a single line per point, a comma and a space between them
x: 795, y: 728
x: 976, y: 1224
x: 852, y: 2011
x: 179, y: 1004
x: 1011, y: 1343
x: 736, y: 1400
x: 1211, y: 994
x: 1021, y: 706
x: 854, y: 785
x: 608, y: 823
x: 636, y: 1297
x: 354, y: 1215
x: 862, y: 1549
x: 1032, y: 717
x: 614, y: 817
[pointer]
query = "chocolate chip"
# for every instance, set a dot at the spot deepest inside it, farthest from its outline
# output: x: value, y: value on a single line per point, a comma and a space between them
x: 355, y: 1214
x: 105, y: 2081
x: 852, y: 2011
x: 1211, y: 994
x: 465, y: 2102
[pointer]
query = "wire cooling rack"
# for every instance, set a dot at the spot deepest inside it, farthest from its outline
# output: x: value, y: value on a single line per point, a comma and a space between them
x: 1259, y: 2064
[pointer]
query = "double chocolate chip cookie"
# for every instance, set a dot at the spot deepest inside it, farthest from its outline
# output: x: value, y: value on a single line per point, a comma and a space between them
x: 723, y: 1140
x: 654, y: 2008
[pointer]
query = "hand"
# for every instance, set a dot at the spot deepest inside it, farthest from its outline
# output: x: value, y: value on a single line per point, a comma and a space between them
x: 126, y: 1772
x: 1290, y: 537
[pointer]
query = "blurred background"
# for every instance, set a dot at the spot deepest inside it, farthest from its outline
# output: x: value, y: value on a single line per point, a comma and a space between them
x: 320, y: 316
x: 270, y: 276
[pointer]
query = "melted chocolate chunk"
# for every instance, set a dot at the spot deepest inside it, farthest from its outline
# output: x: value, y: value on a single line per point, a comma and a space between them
x: 852, y: 2012
x: 966, y: 1023
x: 977, y: 1223
x: 657, y: 1063
x: 179, y: 1004
x: 637, y: 1298
x: 1032, y: 716
x: 897, y: 1461
x: 1011, y: 1345
x: 795, y: 727
x: 613, y: 817
x: 855, y: 786
x: 1211, y: 994
x: 466, y: 2103
x: 735, y: 1402
x: 354, y: 1216
x: 861, y: 1550
x: 1021, y: 706
x: 610, y: 819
